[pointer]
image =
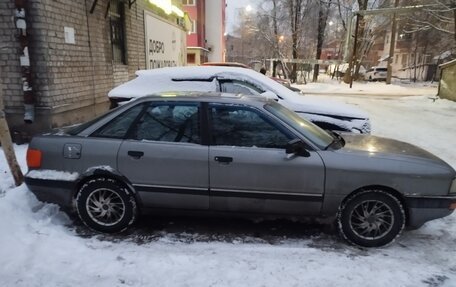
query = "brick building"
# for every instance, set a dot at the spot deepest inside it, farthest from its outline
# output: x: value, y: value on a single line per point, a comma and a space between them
x: 59, y: 59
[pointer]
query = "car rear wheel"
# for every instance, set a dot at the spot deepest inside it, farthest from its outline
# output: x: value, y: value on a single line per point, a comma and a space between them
x: 371, y: 218
x: 105, y: 206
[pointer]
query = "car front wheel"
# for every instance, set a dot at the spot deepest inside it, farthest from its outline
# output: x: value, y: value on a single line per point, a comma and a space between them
x: 105, y: 206
x: 371, y: 218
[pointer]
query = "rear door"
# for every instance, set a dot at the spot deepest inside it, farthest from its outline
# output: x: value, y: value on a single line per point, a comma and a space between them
x: 250, y: 171
x: 164, y: 157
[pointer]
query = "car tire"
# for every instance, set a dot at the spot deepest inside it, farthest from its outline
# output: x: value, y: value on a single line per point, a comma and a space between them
x: 371, y: 218
x: 105, y: 206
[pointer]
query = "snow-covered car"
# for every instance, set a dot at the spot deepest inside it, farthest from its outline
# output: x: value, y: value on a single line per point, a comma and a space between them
x: 327, y: 114
x: 222, y: 153
x: 376, y: 74
x: 284, y: 82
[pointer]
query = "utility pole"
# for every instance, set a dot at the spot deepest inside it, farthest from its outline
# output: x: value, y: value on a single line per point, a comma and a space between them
x: 7, y: 144
x: 384, y: 11
x: 392, y: 46
x: 354, y: 58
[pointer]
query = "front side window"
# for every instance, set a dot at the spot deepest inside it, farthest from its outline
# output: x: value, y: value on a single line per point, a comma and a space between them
x: 168, y: 122
x: 244, y: 127
x: 312, y: 132
x: 239, y: 87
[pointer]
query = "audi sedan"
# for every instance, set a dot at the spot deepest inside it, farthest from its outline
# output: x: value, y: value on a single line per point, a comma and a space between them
x: 234, y: 154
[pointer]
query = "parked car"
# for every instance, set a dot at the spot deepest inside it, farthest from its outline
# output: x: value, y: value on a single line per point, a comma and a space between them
x: 327, y: 114
x: 376, y: 74
x: 284, y: 82
x: 237, y: 155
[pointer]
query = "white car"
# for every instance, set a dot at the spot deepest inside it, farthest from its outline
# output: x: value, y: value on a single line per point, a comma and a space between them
x: 376, y: 74
x: 330, y: 115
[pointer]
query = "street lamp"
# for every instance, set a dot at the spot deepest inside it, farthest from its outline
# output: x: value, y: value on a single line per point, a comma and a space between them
x: 243, y: 13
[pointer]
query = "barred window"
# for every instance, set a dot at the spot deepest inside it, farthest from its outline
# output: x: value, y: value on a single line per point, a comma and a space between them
x: 117, y: 19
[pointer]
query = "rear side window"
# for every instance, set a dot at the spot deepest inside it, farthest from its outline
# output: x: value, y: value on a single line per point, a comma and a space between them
x: 169, y: 122
x: 239, y: 87
x: 119, y: 126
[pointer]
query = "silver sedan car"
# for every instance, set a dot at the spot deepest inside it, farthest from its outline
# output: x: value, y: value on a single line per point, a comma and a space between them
x: 237, y: 154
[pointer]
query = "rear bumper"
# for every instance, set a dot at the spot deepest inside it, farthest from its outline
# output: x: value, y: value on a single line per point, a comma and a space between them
x: 52, y: 191
x: 426, y: 208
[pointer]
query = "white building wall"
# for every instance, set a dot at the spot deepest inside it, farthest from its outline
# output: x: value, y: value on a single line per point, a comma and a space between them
x: 215, y: 30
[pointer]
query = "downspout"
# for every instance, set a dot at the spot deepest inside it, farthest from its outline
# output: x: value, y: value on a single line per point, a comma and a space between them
x: 20, y: 18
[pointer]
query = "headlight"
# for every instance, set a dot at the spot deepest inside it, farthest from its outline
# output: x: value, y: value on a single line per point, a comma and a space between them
x: 453, y: 187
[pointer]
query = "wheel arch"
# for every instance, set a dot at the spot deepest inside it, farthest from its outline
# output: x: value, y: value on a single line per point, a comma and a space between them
x: 384, y: 188
x: 104, y: 173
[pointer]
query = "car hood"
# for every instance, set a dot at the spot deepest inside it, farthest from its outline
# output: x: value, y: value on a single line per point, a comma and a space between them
x: 316, y: 105
x: 379, y: 147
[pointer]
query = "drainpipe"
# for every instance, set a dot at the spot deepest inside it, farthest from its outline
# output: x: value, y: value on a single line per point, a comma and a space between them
x: 20, y: 18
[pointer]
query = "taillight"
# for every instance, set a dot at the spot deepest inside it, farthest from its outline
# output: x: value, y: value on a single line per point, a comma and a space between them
x: 34, y: 158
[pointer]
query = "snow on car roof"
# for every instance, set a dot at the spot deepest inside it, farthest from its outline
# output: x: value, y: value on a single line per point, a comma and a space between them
x: 184, y: 79
x: 164, y: 79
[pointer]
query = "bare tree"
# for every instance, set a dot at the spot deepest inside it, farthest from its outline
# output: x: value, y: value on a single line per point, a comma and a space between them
x: 297, y: 11
x: 323, y: 12
x: 7, y: 145
x: 440, y: 17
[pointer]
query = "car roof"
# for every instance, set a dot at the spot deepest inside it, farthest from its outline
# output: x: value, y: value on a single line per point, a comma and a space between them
x: 205, y: 97
x: 193, y: 71
x: 178, y: 78
x: 226, y: 64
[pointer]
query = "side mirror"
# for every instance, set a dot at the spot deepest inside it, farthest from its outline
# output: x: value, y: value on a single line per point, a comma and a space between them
x: 270, y: 95
x: 296, y: 147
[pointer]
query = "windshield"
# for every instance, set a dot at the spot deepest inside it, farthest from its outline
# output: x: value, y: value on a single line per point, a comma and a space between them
x: 312, y: 132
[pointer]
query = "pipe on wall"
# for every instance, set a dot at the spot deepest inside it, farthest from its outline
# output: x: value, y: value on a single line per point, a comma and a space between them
x: 20, y: 19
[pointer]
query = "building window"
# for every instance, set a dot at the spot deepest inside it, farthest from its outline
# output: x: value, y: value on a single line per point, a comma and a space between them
x: 404, y: 60
x: 193, y: 30
x: 117, y: 19
x: 191, y: 58
x: 188, y: 2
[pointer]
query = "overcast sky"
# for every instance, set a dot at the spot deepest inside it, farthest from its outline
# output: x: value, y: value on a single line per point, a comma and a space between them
x: 232, y: 9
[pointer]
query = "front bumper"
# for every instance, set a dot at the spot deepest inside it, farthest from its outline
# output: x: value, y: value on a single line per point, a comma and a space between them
x: 425, y: 208
x: 52, y: 191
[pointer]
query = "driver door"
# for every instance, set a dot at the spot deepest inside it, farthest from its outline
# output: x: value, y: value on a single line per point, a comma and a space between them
x: 250, y: 171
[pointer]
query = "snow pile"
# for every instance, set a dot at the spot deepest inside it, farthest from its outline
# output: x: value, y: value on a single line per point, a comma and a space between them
x: 328, y: 86
x: 53, y: 175
x: 39, y: 250
x: 421, y: 120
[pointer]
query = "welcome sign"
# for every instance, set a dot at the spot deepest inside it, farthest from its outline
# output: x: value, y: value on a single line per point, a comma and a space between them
x: 165, y: 43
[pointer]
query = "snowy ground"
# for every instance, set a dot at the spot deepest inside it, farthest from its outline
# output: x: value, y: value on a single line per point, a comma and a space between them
x: 40, y: 246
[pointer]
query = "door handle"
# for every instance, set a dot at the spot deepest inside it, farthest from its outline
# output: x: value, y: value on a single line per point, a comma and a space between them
x: 135, y: 154
x: 223, y: 159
